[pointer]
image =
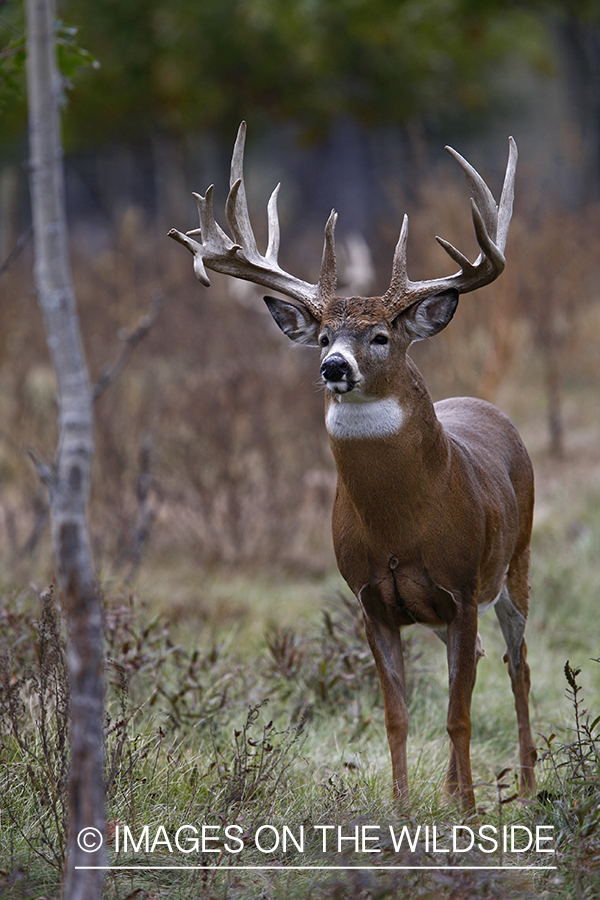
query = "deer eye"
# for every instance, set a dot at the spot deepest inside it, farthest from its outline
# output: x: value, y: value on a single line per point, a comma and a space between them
x: 324, y: 340
x: 380, y: 339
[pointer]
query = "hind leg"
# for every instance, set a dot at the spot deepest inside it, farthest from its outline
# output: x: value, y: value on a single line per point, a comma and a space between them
x: 511, y: 610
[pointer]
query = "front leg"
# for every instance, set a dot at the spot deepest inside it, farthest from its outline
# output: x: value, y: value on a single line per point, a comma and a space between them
x: 463, y: 653
x: 384, y: 640
x: 451, y: 782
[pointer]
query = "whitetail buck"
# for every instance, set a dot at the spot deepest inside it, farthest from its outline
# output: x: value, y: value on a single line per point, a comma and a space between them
x: 433, y: 511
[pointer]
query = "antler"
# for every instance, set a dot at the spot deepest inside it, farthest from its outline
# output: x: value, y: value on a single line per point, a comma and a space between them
x: 491, y: 228
x: 240, y: 257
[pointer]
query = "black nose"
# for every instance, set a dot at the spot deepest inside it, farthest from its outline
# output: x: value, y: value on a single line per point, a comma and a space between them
x: 335, y: 368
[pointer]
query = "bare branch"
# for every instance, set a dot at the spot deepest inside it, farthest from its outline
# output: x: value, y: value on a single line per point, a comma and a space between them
x: 131, y: 340
x: 16, y: 250
x: 46, y: 474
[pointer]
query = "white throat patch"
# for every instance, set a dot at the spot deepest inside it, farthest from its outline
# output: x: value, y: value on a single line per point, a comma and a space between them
x: 367, y: 419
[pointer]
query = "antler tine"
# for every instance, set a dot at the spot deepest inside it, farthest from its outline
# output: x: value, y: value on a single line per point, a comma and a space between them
x: 327, y: 283
x: 491, y: 225
x: 508, y: 193
x: 480, y: 193
x: 213, y: 233
x: 273, y: 226
x: 399, y: 281
x: 240, y: 257
x: 236, y: 207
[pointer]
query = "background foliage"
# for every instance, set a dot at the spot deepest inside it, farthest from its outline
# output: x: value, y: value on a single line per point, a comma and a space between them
x: 182, y: 67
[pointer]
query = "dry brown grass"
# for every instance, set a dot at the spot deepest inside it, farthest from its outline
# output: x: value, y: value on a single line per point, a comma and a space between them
x: 211, y: 448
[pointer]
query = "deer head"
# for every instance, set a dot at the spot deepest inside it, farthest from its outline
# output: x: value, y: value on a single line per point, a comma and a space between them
x: 381, y: 327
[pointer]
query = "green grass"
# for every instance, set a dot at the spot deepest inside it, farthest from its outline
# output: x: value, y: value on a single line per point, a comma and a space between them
x: 225, y: 604
x: 292, y: 735
x: 251, y: 699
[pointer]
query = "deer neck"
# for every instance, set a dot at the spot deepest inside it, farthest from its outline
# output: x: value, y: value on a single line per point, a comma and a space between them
x: 389, y: 451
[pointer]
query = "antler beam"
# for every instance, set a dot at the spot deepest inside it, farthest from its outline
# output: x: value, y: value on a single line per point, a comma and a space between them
x: 213, y: 249
x: 491, y: 228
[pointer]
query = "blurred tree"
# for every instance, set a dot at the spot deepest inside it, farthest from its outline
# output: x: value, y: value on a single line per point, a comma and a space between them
x: 184, y: 66
x: 577, y: 23
x: 180, y: 67
x: 69, y: 480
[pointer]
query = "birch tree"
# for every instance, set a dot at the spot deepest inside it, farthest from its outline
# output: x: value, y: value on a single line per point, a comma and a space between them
x: 69, y: 479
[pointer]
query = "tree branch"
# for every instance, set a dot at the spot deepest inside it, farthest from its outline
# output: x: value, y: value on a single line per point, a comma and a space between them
x: 16, y: 250
x: 131, y: 340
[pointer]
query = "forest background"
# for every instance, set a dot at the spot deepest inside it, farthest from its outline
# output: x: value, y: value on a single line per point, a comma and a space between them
x: 213, y: 480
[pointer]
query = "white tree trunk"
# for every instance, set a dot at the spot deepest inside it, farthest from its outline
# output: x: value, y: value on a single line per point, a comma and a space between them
x: 70, y: 482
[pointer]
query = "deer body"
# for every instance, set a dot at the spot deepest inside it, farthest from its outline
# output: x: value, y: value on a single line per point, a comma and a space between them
x: 431, y: 522
x: 405, y: 514
x: 434, y: 503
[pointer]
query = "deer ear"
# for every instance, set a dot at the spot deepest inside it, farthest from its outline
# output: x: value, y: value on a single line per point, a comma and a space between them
x: 431, y: 315
x: 295, y: 321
